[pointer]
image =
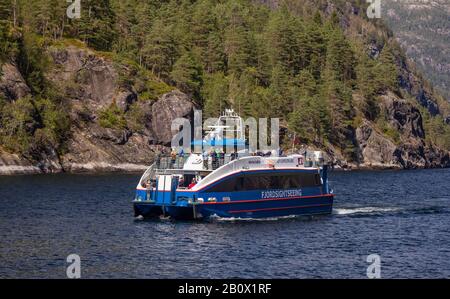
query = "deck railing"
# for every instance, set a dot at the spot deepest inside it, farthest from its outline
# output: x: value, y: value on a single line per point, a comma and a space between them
x: 210, y: 163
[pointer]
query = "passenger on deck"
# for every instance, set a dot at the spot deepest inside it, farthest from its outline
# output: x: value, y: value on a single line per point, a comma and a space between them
x: 173, y: 157
x: 158, y: 160
x: 191, y: 185
x: 205, y: 159
x: 213, y: 158
x: 181, y: 153
x: 234, y: 156
x: 220, y: 156
x: 181, y: 182
x: 146, y: 184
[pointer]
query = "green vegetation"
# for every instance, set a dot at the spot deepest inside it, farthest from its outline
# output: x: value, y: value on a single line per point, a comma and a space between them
x: 112, y: 117
x: 422, y: 26
x: 294, y: 63
x: 437, y: 132
x: 32, y: 124
x: 134, y: 118
x: 39, y: 122
x: 387, y: 129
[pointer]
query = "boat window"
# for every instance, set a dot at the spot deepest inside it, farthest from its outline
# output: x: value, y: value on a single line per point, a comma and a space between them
x: 248, y: 182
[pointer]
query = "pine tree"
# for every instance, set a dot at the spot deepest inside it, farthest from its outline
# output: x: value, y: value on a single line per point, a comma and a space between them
x: 145, y: 14
x: 307, y: 86
x: 245, y: 99
x: 238, y: 42
x: 304, y: 120
x: 96, y: 26
x: 187, y: 74
x: 340, y: 61
x: 215, y: 59
x: 367, y: 85
x: 313, y: 47
x: 125, y: 22
x: 6, y: 44
x: 280, y: 88
x: 386, y: 72
x: 215, y: 94
x: 341, y: 112
x: 203, y: 23
x: 282, y: 36
x: 159, y: 51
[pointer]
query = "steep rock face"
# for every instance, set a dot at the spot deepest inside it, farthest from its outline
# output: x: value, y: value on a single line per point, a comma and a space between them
x: 403, y: 116
x: 12, y: 84
x: 414, y: 86
x: 421, y: 27
x: 410, y: 152
x: 90, y: 84
x: 375, y: 150
x: 91, y: 146
x: 94, y: 77
x: 170, y: 107
x: 95, y: 148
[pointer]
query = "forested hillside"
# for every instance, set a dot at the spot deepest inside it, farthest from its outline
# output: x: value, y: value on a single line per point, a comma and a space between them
x: 92, y: 90
x: 423, y: 29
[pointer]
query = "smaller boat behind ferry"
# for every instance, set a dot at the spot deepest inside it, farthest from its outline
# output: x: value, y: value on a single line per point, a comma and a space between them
x: 236, y: 185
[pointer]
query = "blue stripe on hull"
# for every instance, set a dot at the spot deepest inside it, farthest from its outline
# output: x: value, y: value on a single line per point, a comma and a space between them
x: 275, y: 208
x: 246, y: 209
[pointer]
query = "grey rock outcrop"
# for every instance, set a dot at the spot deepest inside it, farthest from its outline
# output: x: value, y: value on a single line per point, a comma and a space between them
x: 90, y: 83
x: 12, y: 84
x: 378, y: 151
x: 94, y: 77
x: 11, y: 164
x: 171, y: 106
x: 375, y: 150
x: 403, y: 116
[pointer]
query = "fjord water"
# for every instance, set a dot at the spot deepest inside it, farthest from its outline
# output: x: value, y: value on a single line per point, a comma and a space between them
x: 403, y: 216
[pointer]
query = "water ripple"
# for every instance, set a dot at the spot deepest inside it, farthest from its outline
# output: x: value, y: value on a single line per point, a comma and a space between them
x: 400, y: 215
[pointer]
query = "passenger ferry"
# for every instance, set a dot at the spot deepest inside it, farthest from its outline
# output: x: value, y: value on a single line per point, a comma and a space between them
x: 236, y: 185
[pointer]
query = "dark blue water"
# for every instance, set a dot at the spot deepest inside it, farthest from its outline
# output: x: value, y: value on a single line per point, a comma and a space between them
x: 403, y: 216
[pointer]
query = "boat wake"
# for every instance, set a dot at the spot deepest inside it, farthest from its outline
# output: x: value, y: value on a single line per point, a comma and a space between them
x: 389, y: 210
x: 364, y: 210
x: 215, y: 218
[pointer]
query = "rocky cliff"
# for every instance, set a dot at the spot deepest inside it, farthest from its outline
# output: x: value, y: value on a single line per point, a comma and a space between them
x: 91, y: 85
x: 80, y: 109
x: 423, y: 30
x: 405, y: 150
x: 92, y: 147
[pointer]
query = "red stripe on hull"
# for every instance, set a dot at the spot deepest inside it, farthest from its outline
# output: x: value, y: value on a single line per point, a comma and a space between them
x: 280, y: 208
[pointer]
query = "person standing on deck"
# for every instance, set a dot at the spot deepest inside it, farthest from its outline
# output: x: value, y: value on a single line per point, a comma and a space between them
x: 173, y: 157
x: 192, y: 184
x: 205, y: 159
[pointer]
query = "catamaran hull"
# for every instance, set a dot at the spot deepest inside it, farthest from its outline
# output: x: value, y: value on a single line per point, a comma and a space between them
x: 148, y: 210
x: 302, y: 206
